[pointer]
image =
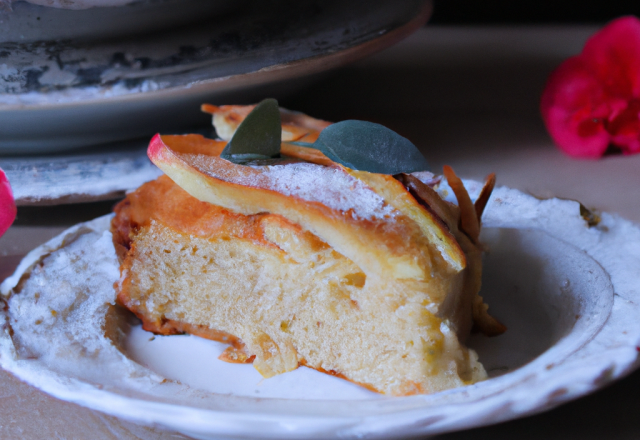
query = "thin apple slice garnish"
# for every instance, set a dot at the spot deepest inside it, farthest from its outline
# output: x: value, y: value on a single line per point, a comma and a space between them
x: 305, y: 153
x: 469, y: 222
x: 227, y: 119
x: 337, y: 207
x: 396, y: 194
x: 387, y: 187
x: 485, y: 193
x: 295, y: 126
x: 428, y: 197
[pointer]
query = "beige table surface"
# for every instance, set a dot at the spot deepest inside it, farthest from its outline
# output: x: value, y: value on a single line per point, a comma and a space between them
x: 468, y: 97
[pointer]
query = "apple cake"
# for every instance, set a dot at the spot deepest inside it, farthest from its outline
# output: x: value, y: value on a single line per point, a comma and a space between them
x: 302, y: 261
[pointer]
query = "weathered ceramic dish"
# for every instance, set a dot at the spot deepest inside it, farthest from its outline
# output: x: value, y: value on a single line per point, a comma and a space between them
x: 51, y: 21
x: 73, y: 4
x: 91, y: 174
x: 565, y: 286
x: 87, y: 91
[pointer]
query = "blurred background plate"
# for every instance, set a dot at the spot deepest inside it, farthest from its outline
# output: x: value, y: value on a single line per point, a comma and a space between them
x: 61, y: 94
x: 87, y: 21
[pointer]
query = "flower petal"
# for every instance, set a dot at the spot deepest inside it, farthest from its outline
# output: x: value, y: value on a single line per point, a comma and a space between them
x: 593, y: 100
x: 613, y: 56
x: 575, y: 108
x: 7, y: 205
x: 624, y: 127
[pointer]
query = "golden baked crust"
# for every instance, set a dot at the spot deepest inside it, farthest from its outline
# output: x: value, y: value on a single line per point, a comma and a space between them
x: 147, y: 227
x: 163, y: 202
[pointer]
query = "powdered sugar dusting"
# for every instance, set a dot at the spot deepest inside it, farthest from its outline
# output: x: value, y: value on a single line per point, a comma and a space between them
x: 427, y: 177
x: 329, y: 186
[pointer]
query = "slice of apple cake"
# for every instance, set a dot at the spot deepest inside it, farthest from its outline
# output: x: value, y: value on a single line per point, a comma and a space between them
x: 366, y: 276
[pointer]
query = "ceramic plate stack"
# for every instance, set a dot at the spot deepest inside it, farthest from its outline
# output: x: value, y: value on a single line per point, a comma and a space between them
x: 92, y: 75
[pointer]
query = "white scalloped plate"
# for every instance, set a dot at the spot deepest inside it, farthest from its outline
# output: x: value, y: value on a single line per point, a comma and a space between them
x: 567, y: 292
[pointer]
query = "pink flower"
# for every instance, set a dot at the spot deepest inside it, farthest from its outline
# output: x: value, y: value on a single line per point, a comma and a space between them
x: 7, y: 205
x: 592, y: 101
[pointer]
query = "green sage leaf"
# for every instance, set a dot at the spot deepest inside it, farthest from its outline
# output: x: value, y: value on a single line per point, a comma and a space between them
x: 367, y: 146
x: 258, y: 136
